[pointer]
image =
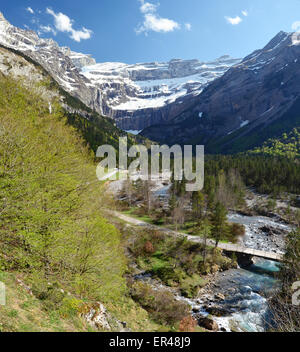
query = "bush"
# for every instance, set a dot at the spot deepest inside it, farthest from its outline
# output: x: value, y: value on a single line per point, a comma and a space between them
x: 189, y: 287
x: 188, y: 324
x: 70, y: 307
x: 160, y: 304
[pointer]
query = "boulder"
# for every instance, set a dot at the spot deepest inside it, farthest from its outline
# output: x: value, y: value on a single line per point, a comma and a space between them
x: 217, y: 311
x: 208, y: 324
x: 98, y: 317
x: 220, y: 297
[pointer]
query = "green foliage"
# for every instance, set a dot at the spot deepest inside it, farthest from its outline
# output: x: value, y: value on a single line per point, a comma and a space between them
x: 219, y: 222
x: 50, y: 203
x: 177, y: 262
x: 70, y: 306
x: 190, y: 285
x: 161, y: 304
x: 288, y: 146
x: 267, y: 174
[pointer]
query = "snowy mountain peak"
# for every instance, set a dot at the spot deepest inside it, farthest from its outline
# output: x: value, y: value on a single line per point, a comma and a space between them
x: 137, y: 96
x: 131, y: 90
x: 2, y: 18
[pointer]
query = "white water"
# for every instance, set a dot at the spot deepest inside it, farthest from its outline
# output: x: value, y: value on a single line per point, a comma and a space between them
x: 249, y: 287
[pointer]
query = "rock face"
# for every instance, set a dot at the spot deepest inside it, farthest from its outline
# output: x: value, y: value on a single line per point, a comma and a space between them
x: 98, y: 317
x: 142, y: 95
x: 249, y: 98
x: 137, y: 96
x: 16, y: 66
x: 208, y: 324
x: 54, y: 59
x: 79, y: 60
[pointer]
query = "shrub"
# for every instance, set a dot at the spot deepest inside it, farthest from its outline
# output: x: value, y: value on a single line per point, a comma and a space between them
x: 188, y: 324
x: 70, y: 307
x: 161, y: 304
x: 149, y: 249
x: 191, y: 285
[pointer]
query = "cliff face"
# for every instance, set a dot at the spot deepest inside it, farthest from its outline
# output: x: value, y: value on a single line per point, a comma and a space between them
x: 137, y: 96
x: 248, y: 99
x: 54, y: 59
x: 141, y: 95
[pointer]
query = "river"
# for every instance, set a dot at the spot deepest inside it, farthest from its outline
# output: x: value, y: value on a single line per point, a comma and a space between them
x: 245, y: 289
x: 243, y: 305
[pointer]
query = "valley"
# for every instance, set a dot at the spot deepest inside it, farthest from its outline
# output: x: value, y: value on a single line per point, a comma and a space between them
x: 234, y: 298
x: 145, y: 255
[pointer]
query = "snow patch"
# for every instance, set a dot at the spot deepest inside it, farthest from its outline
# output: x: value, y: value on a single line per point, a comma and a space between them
x: 134, y: 132
x: 244, y: 123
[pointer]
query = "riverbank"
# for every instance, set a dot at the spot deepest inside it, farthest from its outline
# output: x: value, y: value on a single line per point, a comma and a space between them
x: 236, y: 299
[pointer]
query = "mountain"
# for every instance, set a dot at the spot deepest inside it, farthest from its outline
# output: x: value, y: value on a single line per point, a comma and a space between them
x: 254, y: 100
x: 58, y: 61
x: 137, y: 96
x: 95, y: 129
x: 141, y: 95
x: 230, y: 105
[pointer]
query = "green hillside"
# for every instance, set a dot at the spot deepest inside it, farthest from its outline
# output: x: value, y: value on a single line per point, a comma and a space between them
x: 94, y: 128
x: 52, y: 235
x: 288, y: 145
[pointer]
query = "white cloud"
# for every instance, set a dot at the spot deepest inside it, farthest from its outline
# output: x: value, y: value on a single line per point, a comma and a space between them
x: 245, y: 13
x: 153, y: 22
x: 234, y: 20
x: 157, y: 24
x: 63, y: 23
x: 188, y: 26
x: 147, y: 7
x: 296, y: 26
x: 47, y: 29
x: 29, y: 9
x: 81, y: 35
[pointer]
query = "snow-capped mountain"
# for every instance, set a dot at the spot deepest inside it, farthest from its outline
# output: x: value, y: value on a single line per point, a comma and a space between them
x: 254, y: 100
x: 58, y: 61
x: 227, y: 101
x: 157, y: 84
x: 137, y: 96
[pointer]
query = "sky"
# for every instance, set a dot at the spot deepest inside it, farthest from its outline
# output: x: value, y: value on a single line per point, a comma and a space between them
x: 132, y: 31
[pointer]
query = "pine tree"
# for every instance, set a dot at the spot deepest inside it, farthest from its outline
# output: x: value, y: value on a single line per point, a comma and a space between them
x: 219, y: 222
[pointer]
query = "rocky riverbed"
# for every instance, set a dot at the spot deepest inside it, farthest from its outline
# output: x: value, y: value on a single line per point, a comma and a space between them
x: 263, y: 233
x: 236, y: 300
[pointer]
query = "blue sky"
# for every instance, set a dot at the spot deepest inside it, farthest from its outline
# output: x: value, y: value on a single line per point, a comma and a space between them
x: 148, y: 30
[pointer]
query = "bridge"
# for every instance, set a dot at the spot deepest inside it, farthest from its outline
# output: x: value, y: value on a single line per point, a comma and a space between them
x: 227, y: 247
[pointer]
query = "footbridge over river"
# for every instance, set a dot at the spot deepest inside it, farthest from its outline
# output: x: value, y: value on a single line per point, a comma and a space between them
x: 235, y: 248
